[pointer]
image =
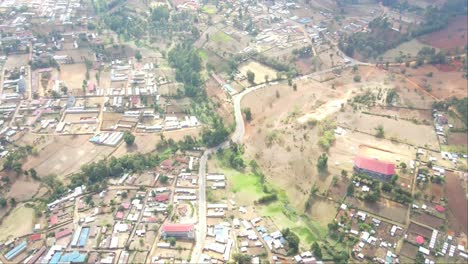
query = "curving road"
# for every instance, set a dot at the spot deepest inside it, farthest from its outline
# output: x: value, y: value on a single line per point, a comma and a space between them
x: 237, y: 137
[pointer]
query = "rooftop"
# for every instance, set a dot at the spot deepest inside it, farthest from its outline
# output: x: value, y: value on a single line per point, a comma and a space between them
x: 375, y: 165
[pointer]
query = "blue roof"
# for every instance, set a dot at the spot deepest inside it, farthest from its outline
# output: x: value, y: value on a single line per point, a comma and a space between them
x: 229, y: 88
x: 73, y: 257
x: 55, y: 259
x: 83, y: 236
x: 305, y: 20
x: 261, y: 229
x: 267, y: 238
x: 16, y: 250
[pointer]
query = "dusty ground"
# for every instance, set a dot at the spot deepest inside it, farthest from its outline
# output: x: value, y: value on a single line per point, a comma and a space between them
x: 220, y: 97
x: 451, y: 37
x: 457, y: 203
x: 259, y: 69
x: 442, y: 85
x: 24, y: 188
x: 145, y: 143
x: 73, y: 76
x: 65, y: 154
x: 405, y: 131
x: 10, y: 228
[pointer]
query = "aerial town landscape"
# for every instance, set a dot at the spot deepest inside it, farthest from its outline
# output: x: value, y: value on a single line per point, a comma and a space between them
x: 233, y: 131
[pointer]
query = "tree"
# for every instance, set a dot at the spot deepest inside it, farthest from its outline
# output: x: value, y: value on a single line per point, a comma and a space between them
x: 277, y: 94
x: 419, y: 258
x: 357, y: 78
x: 138, y: 56
x: 129, y: 138
x: 13, y: 202
x: 350, y: 189
x: 289, y: 81
x: 293, y: 241
x: 322, y: 162
x: 295, y: 87
x: 379, y: 131
x: 163, y: 179
x: 3, y: 202
x: 124, y: 195
x: 403, y: 167
x: 172, y: 241
x: 315, y: 248
x: 248, y: 114
x: 251, y: 77
x: 266, y: 78
x: 242, y: 259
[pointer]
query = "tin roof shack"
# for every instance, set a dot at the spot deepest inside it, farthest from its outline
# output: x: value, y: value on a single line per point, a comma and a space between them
x: 178, y: 231
x: 187, y: 180
x: 16, y: 251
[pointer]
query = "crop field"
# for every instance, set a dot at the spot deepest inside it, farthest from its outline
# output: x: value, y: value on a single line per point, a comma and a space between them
x: 429, y: 220
x: 10, y: 226
x: 16, y: 61
x: 451, y: 37
x: 459, y: 139
x: 383, y: 207
x: 220, y: 36
x: 259, y: 70
x: 457, y: 203
x: 24, y: 188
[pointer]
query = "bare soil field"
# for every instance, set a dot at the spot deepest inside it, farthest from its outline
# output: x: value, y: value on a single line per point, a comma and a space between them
x: 455, y: 182
x: 65, y: 155
x: 23, y: 188
x: 16, y: 61
x: 220, y: 97
x: 420, y: 230
x: 259, y: 69
x: 383, y: 207
x: 442, y: 85
x: 322, y: 211
x: 460, y: 139
x: 405, y: 131
x: 409, y: 250
x: 429, y: 220
x: 452, y: 37
x: 145, y: 143
x: 73, y: 76
x: 10, y: 227
x: 283, y: 146
x: 404, y: 113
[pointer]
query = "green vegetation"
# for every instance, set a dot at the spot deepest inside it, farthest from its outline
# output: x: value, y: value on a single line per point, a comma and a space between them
x: 14, y: 159
x: 381, y: 37
x: 322, y: 162
x: 327, y: 134
x: 221, y: 37
x: 251, y: 77
x: 248, y: 114
x: 292, y: 241
x: 379, y: 131
x: 232, y: 157
x: 242, y: 259
x: 266, y: 199
x: 460, y: 105
x: 129, y: 138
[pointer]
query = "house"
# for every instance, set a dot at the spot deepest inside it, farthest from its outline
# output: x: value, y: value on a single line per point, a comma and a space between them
x: 182, y: 231
x: 374, y: 168
x: 63, y: 233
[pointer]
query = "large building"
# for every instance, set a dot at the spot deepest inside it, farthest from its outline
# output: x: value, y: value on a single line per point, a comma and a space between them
x: 375, y: 168
x: 180, y: 231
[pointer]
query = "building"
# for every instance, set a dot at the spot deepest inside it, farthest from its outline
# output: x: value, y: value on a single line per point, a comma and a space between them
x: 374, y: 168
x: 181, y: 231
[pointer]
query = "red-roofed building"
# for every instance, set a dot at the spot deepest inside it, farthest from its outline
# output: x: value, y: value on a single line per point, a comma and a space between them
x: 63, y: 233
x: 53, y: 220
x: 119, y: 215
x: 161, y: 198
x: 375, y: 168
x: 182, y: 231
x: 34, y: 237
x: 126, y: 205
x: 440, y: 208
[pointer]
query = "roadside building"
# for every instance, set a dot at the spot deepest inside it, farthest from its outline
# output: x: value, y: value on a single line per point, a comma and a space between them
x: 374, y: 168
x: 180, y: 231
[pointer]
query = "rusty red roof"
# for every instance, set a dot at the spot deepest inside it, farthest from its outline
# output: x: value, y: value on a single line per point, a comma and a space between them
x: 177, y: 228
x: 63, y: 233
x: 375, y: 165
x: 34, y: 237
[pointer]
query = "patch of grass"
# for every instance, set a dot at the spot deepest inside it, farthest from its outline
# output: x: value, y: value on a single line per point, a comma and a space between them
x: 209, y: 9
x: 221, y: 37
x: 456, y: 149
x: 203, y: 54
x: 244, y: 183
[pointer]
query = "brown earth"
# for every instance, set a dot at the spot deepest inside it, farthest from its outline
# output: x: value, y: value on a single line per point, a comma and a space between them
x: 451, y: 37
x: 457, y: 203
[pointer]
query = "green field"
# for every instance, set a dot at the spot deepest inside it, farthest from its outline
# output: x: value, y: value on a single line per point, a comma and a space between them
x: 203, y: 54
x: 209, y: 9
x: 221, y: 37
x: 247, y: 188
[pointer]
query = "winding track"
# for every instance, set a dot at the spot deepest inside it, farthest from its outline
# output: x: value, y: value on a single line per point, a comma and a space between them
x: 237, y: 137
